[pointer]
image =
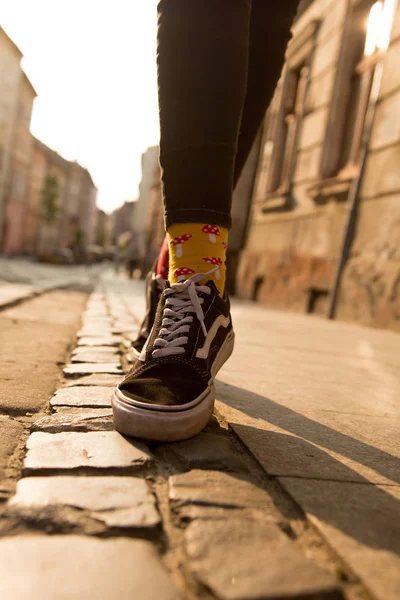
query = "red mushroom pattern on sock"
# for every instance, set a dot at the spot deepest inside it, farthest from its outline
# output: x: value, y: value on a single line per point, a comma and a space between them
x: 212, y: 231
x: 214, y: 260
x: 183, y: 272
x: 178, y: 241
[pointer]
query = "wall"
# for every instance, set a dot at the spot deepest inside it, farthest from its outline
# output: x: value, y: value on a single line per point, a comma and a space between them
x: 10, y: 80
x: 295, y: 234
x: 370, y: 291
x: 149, y: 164
x: 18, y: 172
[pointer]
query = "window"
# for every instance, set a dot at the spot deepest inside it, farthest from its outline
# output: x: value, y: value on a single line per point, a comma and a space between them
x: 365, y: 40
x: 283, y: 122
x: 292, y: 111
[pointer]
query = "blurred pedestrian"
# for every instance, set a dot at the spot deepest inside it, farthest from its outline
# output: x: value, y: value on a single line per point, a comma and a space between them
x: 132, y: 255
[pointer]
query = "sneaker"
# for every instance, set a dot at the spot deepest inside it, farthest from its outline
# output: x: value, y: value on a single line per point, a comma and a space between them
x: 168, y: 394
x: 154, y: 288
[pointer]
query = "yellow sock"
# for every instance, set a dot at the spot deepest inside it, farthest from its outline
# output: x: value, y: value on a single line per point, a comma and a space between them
x: 197, y: 248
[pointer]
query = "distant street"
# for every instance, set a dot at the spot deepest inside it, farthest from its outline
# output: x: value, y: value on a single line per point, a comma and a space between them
x: 21, y: 279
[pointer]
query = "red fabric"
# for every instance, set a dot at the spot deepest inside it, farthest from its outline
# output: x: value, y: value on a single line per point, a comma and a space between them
x: 163, y: 260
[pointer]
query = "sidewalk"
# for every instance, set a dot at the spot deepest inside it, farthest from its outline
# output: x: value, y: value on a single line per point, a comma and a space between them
x: 298, y: 498
x: 318, y: 405
x: 22, y: 279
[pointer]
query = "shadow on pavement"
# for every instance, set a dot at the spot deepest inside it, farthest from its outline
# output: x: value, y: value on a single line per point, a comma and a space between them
x: 362, y: 510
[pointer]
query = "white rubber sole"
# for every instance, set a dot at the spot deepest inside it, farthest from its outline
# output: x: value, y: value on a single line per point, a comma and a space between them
x: 169, y: 423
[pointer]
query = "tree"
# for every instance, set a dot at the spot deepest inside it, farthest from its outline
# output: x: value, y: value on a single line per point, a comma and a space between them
x: 49, y: 195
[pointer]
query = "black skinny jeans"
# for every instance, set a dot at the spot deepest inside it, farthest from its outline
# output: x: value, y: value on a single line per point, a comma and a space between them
x: 218, y: 65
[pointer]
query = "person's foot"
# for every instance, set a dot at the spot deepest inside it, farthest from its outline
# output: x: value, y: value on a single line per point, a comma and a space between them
x: 154, y: 288
x: 169, y: 393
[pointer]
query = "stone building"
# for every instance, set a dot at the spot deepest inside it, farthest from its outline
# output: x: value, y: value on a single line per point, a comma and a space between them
x: 155, y: 230
x: 16, y: 99
x: 78, y: 214
x: 17, y: 177
x: 310, y: 177
x: 60, y: 205
x: 103, y: 235
x: 123, y: 220
x: 149, y: 164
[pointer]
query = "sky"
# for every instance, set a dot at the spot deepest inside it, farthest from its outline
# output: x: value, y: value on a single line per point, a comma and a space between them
x: 92, y: 63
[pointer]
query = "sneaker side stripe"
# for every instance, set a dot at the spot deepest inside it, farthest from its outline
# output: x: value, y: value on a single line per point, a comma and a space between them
x: 220, y: 321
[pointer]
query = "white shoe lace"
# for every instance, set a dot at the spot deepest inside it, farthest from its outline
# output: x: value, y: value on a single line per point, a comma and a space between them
x: 181, y: 301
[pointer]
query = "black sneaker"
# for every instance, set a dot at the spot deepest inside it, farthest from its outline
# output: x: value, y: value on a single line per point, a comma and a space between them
x: 169, y: 393
x: 154, y: 288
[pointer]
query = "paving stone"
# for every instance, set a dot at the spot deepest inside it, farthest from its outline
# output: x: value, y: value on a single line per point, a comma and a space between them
x: 101, y: 379
x: 90, y: 320
x: 71, y: 567
x: 80, y: 350
x: 361, y: 523
x: 95, y: 330
x: 88, y: 368
x: 89, y: 396
x: 100, y: 340
x: 244, y: 559
x: 117, y: 501
x: 10, y: 433
x: 214, y: 488
x: 95, y: 420
x: 95, y: 313
x: 97, y: 449
x: 206, y: 450
x: 94, y: 356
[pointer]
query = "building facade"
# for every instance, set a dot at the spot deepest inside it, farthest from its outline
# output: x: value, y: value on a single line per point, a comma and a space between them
x: 10, y: 89
x: 17, y: 177
x: 314, y: 204
x: 149, y: 165
x: 46, y: 202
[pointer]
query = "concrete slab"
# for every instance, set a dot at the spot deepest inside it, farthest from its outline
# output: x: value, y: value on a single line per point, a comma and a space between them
x: 61, y: 567
x: 30, y: 349
x: 288, y: 443
x: 362, y: 523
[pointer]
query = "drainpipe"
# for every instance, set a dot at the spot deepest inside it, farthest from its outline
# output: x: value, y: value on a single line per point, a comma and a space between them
x: 353, y: 198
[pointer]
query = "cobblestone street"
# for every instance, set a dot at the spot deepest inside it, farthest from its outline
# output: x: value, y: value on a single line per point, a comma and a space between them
x: 292, y: 491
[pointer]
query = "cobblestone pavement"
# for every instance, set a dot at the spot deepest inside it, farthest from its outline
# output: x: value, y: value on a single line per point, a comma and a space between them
x: 271, y: 501
x: 23, y: 279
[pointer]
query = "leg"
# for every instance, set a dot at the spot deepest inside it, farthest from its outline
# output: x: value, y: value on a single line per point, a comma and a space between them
x: 202, y: 73
x: 270, y: 25
x: 203, y: 56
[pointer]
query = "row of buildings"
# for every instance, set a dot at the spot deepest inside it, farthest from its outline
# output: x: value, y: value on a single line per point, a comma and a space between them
x: 47, y: 204
x: 316, y: 213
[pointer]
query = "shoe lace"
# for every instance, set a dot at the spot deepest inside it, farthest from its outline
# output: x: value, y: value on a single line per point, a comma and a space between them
x: 182, y: 300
